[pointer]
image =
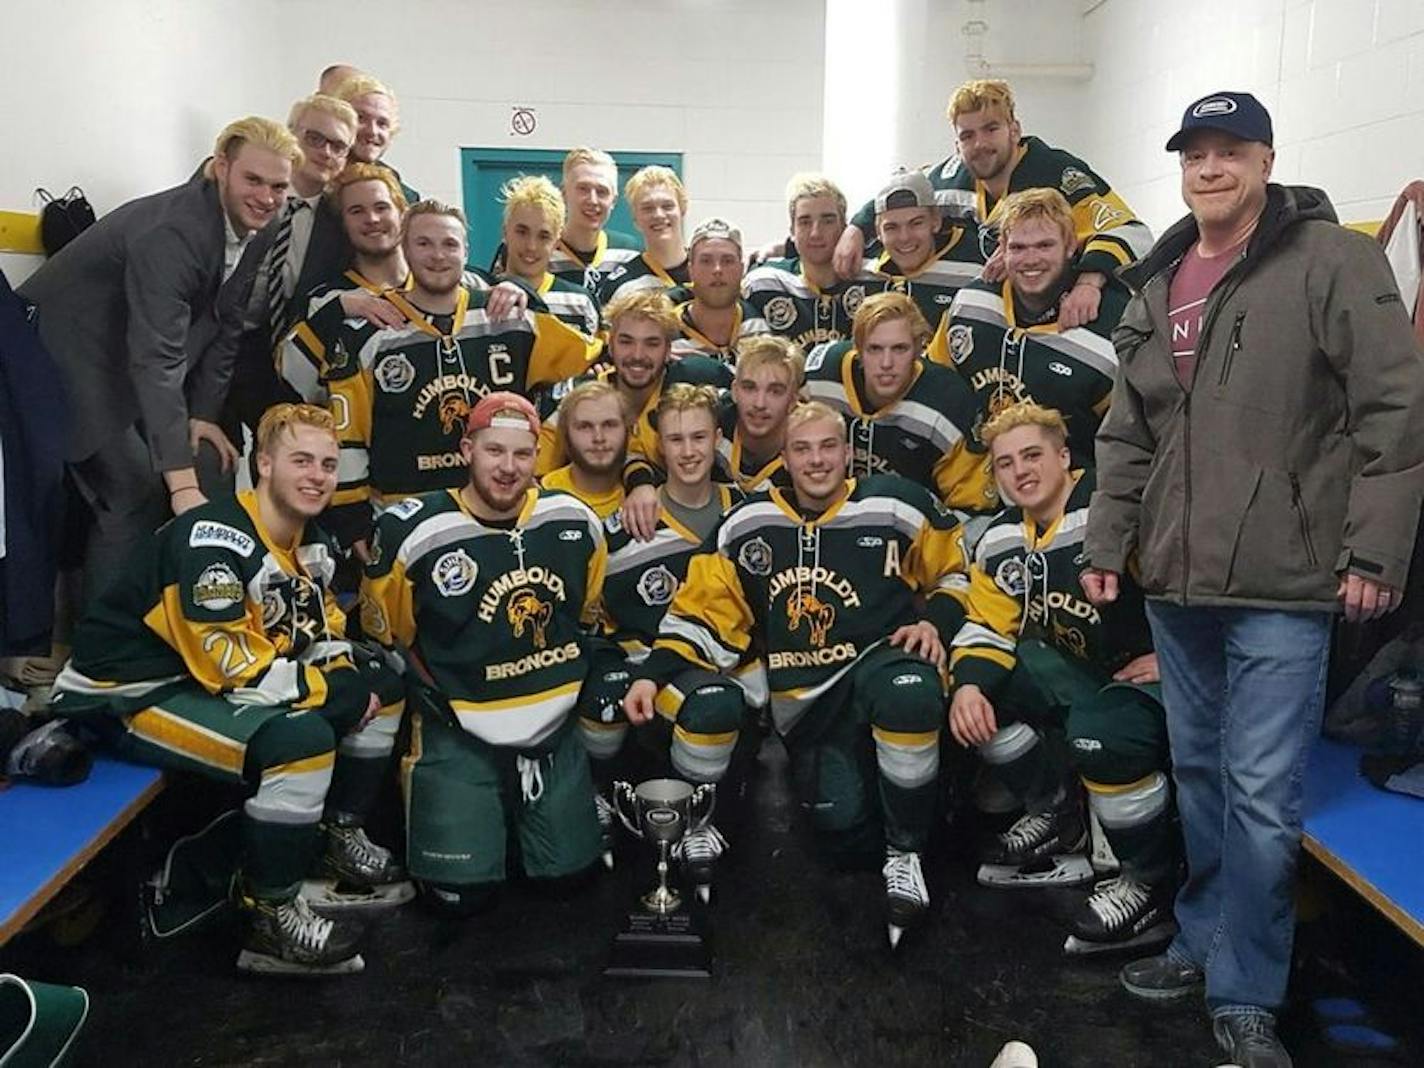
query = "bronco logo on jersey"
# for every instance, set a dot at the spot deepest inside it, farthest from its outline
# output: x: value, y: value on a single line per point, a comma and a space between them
x: 454, y: 410
x: 218, y: 587
x: 755, y: 556
x: 852, y: 299
x: 454, y: 573
x: 1011, y: 577
x: 656, y: 586
x: 1073, y: 180
x: 395, y: 373
x: 961, y: 343
x: 818, y: 615
x: 527, y: 612
x: 780, y: 312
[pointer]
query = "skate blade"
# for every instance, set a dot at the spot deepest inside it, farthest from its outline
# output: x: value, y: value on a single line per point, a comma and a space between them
x: 1068, y: 869
x: 704, y: 892
x: 1155, y: 935
x: 608, y: 859
x: 894, y: 933
x: 326, y: 896
x: 264, y: 964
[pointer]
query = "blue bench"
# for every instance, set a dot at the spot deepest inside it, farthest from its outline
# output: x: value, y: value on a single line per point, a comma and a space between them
x: 47, y: 834
x: 1370, y: 838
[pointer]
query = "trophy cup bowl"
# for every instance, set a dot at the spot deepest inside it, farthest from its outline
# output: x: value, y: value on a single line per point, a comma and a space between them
x: 660, y: 940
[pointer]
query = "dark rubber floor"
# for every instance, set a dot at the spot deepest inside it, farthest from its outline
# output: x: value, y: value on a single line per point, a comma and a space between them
x: 802, y: 977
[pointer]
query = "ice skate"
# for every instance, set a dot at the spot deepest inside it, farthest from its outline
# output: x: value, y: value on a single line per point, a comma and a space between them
x: 698, y: 851
x: 1120, y: 914
x: 288, y: 938
x: 603, y: 808
x: 357, y: 874
x: 907, y: 899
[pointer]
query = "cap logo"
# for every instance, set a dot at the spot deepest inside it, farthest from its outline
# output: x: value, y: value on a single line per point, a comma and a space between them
x: 1217, y: 105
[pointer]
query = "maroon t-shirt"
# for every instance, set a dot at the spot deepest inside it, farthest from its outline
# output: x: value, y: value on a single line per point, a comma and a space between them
x: 1193, y: 282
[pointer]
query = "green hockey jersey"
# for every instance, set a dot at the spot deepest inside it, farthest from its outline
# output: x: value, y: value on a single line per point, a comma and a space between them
x: 495, y: 617
x: 932, y: 286
x: 794, y: 307
x: 693, y: 342
x: 1109, y: 234
x: 640, y: 272
x: 401, y: 395
x: 927, y: 435
x: 1025, y: 583
x: 584, y: 269
x: 817, y: 594
x: 210, y: 596
x: 1004, y: 363
x: 571, y: 303
x: 736, y: 466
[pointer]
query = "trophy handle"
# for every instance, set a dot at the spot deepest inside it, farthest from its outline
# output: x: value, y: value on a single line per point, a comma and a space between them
x: 620, y: 791
x: 707, y: 792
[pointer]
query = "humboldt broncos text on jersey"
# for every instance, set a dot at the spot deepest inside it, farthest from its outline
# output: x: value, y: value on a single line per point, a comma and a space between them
x: 1004, y: 363
x: 641, y: 272
x: 1025, y: 583
x: 1109, y: 234
x: 693, y: 342
x: 401, y: 395
x: 496, y: 616
x: 817, y: 592
x: 926, y: 435
x: 218, y: 601
x: 794, y: 307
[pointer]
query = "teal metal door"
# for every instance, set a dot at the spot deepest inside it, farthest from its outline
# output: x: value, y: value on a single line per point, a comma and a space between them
x: 484, y: 170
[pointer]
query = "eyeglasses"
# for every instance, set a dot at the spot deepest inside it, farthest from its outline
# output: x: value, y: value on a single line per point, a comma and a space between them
x: 317, y: 139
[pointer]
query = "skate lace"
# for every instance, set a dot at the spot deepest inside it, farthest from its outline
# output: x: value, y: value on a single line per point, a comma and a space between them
x: 1116, y: 901
x: 531, y: 778
x: 1027, y: 831
x: 904, y: 877
x: 302, y: 925
x: 703, y: 845
x: 362, y: 849
x: 604, y: 810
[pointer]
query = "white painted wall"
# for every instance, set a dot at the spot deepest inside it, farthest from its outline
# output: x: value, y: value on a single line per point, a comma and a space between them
x: 735, y: 85
x: 1343, y: 79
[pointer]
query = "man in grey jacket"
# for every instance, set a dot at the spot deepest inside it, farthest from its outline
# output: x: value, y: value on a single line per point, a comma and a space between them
x: 142, y: 313
x: 1261, y: 468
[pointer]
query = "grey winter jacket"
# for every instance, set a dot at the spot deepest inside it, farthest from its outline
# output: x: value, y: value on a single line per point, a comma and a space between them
x: 1297, y: 453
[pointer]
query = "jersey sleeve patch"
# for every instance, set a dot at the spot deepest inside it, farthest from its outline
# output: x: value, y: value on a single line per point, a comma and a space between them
x: 403, y: 510
x: 207, y: 533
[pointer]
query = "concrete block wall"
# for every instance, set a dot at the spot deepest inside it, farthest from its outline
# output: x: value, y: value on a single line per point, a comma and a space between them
x: 1344, y: 80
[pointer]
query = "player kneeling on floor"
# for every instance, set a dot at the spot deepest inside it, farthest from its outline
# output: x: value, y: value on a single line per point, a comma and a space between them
x: 487, y: 591
x: 852, y: 589
x: 220, y: 650
x: 704, y: 710
x: 1032, y: 650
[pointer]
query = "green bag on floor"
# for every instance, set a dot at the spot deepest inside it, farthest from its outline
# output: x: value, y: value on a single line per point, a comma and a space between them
x: 39, y: 1022
x: 195, y: 879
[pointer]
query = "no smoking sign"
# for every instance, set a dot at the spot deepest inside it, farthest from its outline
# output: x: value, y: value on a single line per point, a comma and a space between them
x: 522, y: 122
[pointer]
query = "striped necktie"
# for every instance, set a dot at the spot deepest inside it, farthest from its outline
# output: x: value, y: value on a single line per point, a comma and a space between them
x: 277, y: 295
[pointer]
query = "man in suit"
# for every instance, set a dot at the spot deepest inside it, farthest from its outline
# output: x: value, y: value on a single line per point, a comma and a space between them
x: 308, y: 248
x: 142, y: 314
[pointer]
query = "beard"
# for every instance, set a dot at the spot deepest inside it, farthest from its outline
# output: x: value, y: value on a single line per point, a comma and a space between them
x: 497, y: 496
x: 592, y: 467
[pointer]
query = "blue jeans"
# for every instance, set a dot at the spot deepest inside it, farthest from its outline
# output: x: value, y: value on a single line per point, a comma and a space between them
x: 1244, y: 690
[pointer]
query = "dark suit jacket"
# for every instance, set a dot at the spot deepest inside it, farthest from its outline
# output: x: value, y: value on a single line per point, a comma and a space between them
x: 137, y: 316
x: 256, y: 385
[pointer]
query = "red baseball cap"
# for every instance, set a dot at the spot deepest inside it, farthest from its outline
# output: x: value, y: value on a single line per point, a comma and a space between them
x: 495, y: 409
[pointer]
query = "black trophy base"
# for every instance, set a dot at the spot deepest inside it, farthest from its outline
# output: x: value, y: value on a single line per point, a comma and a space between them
x: 653, y: 946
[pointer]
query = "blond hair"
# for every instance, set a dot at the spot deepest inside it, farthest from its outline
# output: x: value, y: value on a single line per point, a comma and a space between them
x: 255, y: 130
x: 593, y: 390
x: 353, y: 173
x: 1026, y: 413
x: 979, y: 94
x: 592, y: 156
x: 334, y: 106
x: 686, y: 397
x: 363, y: 84
x: 771, y: 350
x: 809, y: 412
x: 651, y: 304
x: 534, y: 191
x: 810, y: 184
x: 888, y: 308
x: 651, y: 177
x: 432, y: 207
x: 280, y: 418
x: 1045, y: 203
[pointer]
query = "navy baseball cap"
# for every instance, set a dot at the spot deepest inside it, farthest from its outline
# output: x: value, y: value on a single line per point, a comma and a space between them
x: 1238, y: 114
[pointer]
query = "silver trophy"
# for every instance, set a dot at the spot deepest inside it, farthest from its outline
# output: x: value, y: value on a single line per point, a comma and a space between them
x: 660, y: 940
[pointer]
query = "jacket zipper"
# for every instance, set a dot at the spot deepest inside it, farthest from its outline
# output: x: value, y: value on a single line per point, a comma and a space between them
x: 1298, y: 503
x: 1232, y: 349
